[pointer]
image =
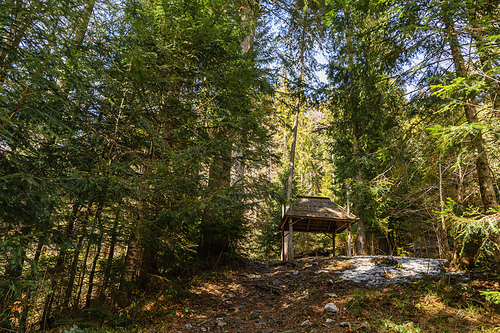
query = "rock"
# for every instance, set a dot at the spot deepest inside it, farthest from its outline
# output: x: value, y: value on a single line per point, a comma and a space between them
x: 237, y: 308
x: 203, y: 329
x: 276, y: 282
x: 345, y: 324
x: 329, y: 321
x: 220, y: 323
x: 365, y: 326
x: 229, y: 295
x: 320, y: 271
x: 188, y: 326
x: 259, y: 323
x: 295, y: 273
x: 306, y: 323
x: 331, y: 308
x: 330, y: 295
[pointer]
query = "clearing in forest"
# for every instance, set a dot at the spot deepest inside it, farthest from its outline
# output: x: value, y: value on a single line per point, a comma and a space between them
x: 371, y: 294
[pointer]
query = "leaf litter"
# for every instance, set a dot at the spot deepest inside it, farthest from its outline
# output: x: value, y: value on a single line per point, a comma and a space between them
x: 371, y: 293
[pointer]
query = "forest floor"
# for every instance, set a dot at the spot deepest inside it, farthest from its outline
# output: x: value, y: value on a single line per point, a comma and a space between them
x: 371, y: 294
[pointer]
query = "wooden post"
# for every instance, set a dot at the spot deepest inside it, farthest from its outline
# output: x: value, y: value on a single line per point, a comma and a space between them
x: 349, y: 251
x: 349, y: 247
x: 282, y: 245
x: 290, y: 240
x: 333, y: 241
x: 283, y: 238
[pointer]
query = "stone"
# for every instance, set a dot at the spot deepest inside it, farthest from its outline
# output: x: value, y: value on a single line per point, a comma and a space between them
x: 365, y: 326
x: 295, y: 273
x: 276, y: 281
x: 220, y: 323
x: 331, y: 308
x: 321, y: 271
x: 329, y: 321
x: 237, y: 308
x: 330, y: 295
x: 188, y: 326
x: 345, y: 324
x: 306, y: 323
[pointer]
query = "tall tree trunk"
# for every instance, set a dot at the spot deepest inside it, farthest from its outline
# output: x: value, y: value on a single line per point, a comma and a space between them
x: 109, y: 262
x: 56, y: 278
x: 88, y: 297
x: 477, y: 32
x: 73, y: 269
x: 484, y: 177
x: 485, y: 180
x: 360, y: 232
x: 82, y: 26
x: 442, y: 233
x: 131, y: 262
x: 288, y: 242
x: 76, y: 255
x: 359, y: 207
x: 76, y: 305
x: 248, y: 10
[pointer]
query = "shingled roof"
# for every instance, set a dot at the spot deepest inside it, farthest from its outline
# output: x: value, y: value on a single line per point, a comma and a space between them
x: 316, y: 214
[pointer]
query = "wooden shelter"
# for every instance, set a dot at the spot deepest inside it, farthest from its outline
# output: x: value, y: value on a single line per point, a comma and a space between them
x: 312, y: 214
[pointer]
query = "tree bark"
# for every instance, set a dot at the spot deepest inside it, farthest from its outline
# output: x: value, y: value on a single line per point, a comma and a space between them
x: 360, y: 232
x: 291, y: 166
x: 248, y: 10
x: 76, y: 304
x: 484, y: 177
x: 82, y: 26
x: 73, y: 269
x: 442, y: 233
x: 485, y: 180
x: 88, y: 297
x: 477, y: 33
x: 109, y: 262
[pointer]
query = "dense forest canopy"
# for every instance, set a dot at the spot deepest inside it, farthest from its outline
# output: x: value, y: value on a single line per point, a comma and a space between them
x: 143, y: 141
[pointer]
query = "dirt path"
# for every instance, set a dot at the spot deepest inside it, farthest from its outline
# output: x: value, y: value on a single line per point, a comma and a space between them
x: 291, y: 297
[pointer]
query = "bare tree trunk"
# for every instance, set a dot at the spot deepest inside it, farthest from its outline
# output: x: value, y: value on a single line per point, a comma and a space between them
x: 288, y: 250
x: 88, y: 297
x: 73, y: 268
x: 58, y: 269
x: 482, y: 50
x: 131, y: 261
x: 82, y: 26
x: 482, y: 165
x: 484, y: 177
x: 442, y: 233
x: 360, y: 233
x: 249, y: 10
x: 109, y: 262
x: 76, y: 305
